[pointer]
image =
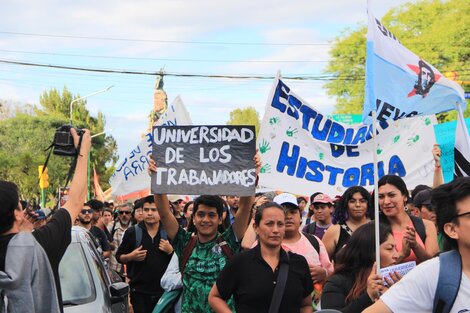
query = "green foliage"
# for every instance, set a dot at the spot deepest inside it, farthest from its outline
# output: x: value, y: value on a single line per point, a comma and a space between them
x: 24, y: 137
x: 435, y: 30
x: 246, y: 116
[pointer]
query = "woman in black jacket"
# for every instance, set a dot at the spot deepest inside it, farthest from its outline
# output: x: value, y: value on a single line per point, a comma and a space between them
x: 355, y: 285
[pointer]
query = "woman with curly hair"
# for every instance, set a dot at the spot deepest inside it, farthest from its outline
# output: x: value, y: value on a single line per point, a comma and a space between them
x: 353, y: 210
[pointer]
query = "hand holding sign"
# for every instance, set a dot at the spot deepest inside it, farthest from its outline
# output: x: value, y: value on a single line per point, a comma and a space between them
x: 204, y: 160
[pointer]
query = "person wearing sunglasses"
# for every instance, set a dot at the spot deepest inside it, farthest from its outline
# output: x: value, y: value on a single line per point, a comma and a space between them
x: 85, y: 220
x: 117, y: 231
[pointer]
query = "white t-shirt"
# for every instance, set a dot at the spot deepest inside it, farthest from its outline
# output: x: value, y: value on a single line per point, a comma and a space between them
x: 415, y: 291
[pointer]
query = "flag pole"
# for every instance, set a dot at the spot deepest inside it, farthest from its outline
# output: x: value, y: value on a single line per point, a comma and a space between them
x: 376, y: 191
x: 371, y: 85
x: 462, y: 118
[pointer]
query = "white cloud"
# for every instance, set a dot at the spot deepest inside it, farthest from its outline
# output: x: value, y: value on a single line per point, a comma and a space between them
x: 208, y: 100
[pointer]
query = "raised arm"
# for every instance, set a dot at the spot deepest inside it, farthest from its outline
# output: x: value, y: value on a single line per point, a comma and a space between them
x: 168, y: 219
x: 78, y: 186
x: 240, y: 223
x: 438, y: 178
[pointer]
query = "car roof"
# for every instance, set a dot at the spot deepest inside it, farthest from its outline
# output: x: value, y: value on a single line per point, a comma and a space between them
x: 80, y: 234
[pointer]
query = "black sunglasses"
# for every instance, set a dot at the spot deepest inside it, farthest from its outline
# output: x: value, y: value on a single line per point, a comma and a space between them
x: 460, y: 215
x: 124, y: 212
x: 85, y: 211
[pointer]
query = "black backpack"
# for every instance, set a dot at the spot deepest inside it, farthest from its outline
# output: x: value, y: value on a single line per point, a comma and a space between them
x: 313, y: 241
x: 418, y: 224
x: 138, y: 241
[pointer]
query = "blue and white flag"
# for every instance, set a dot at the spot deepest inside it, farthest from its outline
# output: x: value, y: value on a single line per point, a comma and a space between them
x: 399, y: 83
x: 462, y: 148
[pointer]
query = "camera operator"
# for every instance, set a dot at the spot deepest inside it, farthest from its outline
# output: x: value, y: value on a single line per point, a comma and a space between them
x: 29, y: 262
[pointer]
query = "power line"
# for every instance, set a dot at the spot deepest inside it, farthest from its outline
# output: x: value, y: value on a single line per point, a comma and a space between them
x: 163, y: 59
x: 205, y: 42
x: 167, y: 41
x: 133, y: 72
x: 148, y: 73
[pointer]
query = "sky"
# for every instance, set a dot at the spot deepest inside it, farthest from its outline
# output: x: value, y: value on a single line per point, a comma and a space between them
x: 250, y: 38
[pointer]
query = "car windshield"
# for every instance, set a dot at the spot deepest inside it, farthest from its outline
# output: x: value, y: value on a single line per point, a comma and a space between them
x: 75, y: 277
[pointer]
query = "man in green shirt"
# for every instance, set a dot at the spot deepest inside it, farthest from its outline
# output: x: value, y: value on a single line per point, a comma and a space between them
x: 207, y: 256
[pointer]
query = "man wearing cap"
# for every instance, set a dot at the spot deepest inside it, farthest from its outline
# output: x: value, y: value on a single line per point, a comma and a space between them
x: 422, y: 201
x: 297, y: 242
x: 177, y: 204
x: 322, y: 210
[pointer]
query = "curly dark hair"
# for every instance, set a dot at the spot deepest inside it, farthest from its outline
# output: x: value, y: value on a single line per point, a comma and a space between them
x: 341, y: 212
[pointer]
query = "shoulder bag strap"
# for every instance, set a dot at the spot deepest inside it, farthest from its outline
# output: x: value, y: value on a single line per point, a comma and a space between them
x: 347, y: 229
x: 187, y: 252
x: 225, y: 247
x: 419, y: 226
x: 448, y: 284
x: 280, y: 286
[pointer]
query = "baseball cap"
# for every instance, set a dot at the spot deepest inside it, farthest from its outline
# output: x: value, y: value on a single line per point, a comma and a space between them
x: 322, y: 198
x: 284, y: 198
x: 175, y: 198
x: 422, y: 198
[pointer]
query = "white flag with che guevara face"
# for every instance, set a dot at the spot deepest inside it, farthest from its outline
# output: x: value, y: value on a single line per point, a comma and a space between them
x: 399, y: 83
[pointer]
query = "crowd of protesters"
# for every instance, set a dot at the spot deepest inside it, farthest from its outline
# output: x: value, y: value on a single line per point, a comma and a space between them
x: 269, y: 252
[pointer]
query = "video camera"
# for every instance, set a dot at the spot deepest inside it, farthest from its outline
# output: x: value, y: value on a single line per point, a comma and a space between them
x: 63, y: 141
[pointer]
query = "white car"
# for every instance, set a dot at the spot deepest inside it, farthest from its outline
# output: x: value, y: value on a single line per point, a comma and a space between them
x: 86, y: 282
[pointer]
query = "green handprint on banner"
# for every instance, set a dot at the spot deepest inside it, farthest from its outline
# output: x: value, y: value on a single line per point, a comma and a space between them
x: 274, y: 120
x: 321, y: 155
x: 264, y: 146
x: 427, y: 121
x: 290, y: 132
x: 266, y: 168
x: 411, y: 141
x: 395, y: 140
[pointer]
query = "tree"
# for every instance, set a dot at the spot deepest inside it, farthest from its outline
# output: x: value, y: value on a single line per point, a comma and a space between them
x: 435, y: 30
x: 103, y: 154
x: 25, y: 134
x: 23, y: 139
x: 246, y: 116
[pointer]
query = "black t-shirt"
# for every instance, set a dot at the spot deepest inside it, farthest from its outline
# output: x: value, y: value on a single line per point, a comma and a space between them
x: 4, y: 240
x: 145, y: 276
x: 54, y: 238
x: 101, y: 238
x: 335, y: 291
x: 251, y: 281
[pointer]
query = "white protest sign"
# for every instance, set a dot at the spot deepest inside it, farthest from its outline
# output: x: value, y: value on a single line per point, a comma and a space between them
x: 131, y: 174
x: 304, y: 152
x: 401, y: 269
